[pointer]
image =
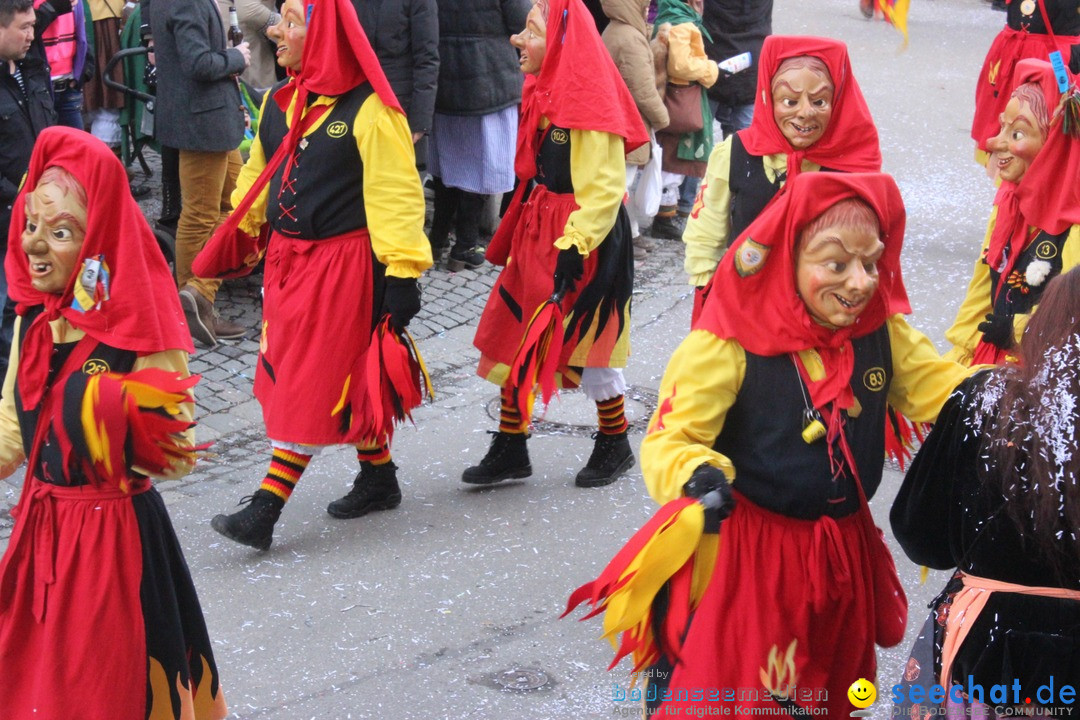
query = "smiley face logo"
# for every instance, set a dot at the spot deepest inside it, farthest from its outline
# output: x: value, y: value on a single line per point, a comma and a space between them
x: 337, y: 129
x: 862, y: 693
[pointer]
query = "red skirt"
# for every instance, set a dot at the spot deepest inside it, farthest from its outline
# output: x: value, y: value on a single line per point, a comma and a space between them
x: 597, y: 312
x: 790, y: 601
x: 316, y: 330
x: 99, y: 619
x: 995, y: 79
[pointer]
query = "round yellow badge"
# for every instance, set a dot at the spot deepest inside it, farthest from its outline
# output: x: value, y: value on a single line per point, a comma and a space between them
x: 862, y: 693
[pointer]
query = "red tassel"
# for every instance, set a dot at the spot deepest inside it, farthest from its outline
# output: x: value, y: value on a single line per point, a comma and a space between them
x: 609, y: 578
x: 536, y: 361
x: 397, y: 381
x: 678, y: 609
x: 901, y: 435
x: 134, y: 412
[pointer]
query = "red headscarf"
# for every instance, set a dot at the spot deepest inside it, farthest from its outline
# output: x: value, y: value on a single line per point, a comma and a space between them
x: 1011, y: 225
x: 754, y: 299
x: 850, y: 142
x: 337, y: 55
x: 1048, y: 199
x: 582, y: 91
x: 337, y: 58
x: 142, y: 312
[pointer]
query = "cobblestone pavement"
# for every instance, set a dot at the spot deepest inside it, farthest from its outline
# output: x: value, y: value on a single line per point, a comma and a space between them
x: 228, y: 415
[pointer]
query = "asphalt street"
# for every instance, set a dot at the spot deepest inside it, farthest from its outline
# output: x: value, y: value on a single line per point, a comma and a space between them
x: 448, y: 606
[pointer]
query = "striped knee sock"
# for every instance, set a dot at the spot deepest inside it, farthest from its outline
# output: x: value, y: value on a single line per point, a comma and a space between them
x: 509, y: 415
x: 286, y: 467
x: 612, y: 416
x: 374, y: 453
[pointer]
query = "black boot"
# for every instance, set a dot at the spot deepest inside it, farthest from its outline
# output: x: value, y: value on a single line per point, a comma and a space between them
x: 668, y: 227
x: 508, y: 457
x: 611, y: 457
x: 442, y: 221
x: 375, y: 488
x: 254, y: 525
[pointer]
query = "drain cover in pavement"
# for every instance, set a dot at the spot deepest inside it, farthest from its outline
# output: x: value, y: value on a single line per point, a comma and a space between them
x: 521, y: 679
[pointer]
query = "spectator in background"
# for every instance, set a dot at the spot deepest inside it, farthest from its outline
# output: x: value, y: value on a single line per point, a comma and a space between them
x: 405, y: 37
x: 26, y: 108
x: 102, y: 103
x: 599, y: 16
x: 993, y: 493
x: 735, y: 26
x: 256, y: 18
x: 476, y: 116
x: 199, y: 112
x: 685, y: 154
x: 61, y: 29
x: 732, y: 28
x: 625, y: 37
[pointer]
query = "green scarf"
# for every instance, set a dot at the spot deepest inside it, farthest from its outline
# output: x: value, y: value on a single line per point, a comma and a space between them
x: 696, y: 145
x: 678, y: 12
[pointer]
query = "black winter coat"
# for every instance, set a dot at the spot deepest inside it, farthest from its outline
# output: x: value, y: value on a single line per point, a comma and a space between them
x: 21, y: 121
x: 479, y: 72
x: 736, y: 26
x: 405, y: 37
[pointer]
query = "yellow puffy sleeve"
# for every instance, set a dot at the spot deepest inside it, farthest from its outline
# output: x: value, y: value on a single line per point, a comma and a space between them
x: 700, y: 384
x: 393, y: 196
x: 709, y: 225
x: 598, y: 172
x: 922, y: 379
x: 256, y: 161
x: 708, y: 229
x: 964, y: 332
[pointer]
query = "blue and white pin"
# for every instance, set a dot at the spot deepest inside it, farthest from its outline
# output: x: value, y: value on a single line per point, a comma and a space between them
x: 92, y: 287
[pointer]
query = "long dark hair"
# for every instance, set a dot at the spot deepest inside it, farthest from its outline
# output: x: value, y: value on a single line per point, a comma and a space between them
x: 1033, y: 440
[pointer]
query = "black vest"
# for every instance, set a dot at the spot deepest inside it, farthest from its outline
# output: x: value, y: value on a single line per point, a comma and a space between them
x: 750, y: 188
x: 1015, y: 295
x: 553, y: 160
x: 324, y: 196
x: 103, y: 358
x: 762, y: 435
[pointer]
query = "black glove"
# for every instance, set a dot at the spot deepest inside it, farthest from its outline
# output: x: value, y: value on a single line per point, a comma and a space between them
x: 998, y: 330
x: 402, y: 300
x: 568, y: 269
x: 709, y: 485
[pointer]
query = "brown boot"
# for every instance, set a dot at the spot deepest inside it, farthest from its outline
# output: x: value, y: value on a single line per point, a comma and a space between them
x: 226, y: 329
x: 200, y: 315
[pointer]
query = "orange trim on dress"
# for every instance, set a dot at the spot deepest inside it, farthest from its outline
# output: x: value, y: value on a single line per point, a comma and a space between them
x: 969, y: 603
